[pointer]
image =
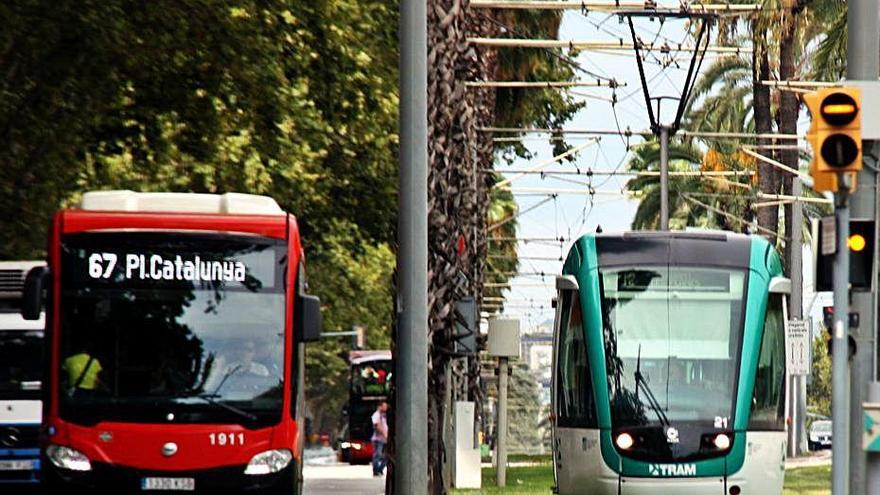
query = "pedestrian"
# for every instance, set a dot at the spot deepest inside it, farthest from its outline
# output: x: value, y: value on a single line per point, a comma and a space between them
x: 380, y: 437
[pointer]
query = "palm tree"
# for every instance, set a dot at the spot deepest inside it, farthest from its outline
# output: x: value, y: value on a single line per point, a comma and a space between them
x: 718, y: 203
x: 459, y: 158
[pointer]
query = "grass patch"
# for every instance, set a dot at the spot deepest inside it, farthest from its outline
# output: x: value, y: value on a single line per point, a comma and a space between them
x: 807, y: 481
x: 520, y: 481
x: 539, y: 479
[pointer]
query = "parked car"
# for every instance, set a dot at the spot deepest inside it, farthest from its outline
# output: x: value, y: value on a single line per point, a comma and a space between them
x: 820, y: 435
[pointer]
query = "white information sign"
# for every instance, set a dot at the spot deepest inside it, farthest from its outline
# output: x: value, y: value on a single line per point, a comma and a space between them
x: 798, y: 348
x: 828, y: 236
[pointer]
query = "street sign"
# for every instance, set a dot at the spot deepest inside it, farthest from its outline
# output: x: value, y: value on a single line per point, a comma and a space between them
x: 871, y: 427
x: 829, y: 236
x: 797, y: 348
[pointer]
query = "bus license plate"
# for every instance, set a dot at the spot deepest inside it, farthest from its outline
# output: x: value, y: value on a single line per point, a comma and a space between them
x: 16, y: 465
x: 186, y: 484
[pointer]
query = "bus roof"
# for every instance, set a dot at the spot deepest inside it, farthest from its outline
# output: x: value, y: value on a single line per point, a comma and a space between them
x: 360, y: 357
x: 228, y: 203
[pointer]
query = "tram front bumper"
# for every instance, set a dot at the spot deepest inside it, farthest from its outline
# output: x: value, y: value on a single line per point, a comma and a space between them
x: 678, y: 486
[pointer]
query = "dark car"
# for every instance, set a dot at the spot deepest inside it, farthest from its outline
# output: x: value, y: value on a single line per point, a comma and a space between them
x: 820, y: 435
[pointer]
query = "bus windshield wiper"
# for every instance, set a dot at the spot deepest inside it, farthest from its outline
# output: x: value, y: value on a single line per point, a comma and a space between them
x: 212, y: 399
x: 643, y: 384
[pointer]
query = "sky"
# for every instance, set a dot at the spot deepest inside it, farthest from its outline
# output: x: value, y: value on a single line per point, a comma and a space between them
x: 568, y: 215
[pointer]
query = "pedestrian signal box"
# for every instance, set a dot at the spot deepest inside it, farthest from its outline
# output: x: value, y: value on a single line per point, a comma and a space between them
x: 861, y: 257
x: 835, y: 135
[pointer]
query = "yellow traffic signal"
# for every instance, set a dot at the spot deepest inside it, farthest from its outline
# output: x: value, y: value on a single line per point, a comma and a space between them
x: 835, y: 135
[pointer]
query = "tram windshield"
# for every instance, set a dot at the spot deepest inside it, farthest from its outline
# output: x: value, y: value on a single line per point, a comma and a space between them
x: 183, y: 326
x: 672, y: 340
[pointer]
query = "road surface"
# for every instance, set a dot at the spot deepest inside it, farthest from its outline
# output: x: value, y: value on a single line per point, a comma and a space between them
x: 324, y: 476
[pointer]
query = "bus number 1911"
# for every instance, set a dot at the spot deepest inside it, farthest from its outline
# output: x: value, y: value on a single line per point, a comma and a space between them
x: 226, y: 439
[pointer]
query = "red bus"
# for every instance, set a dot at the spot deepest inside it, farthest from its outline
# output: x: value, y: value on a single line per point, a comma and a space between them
x: 370, y: 384
x: 176, y: 323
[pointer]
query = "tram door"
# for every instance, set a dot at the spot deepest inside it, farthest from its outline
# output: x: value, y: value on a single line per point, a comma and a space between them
x: 576, y: 455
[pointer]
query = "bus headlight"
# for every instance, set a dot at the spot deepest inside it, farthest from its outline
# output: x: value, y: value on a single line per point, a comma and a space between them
x: 624, y: 441
x: 270, y: 461
x: 721, y: 441
x: 68, y: 458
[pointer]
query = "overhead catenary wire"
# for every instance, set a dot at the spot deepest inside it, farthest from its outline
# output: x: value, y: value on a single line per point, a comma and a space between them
x: 600, y: 45
x: 644, y: 133
x: 542, y: 84
x: 614, y: 7
x: 547, y: 163
x: 518, y: 214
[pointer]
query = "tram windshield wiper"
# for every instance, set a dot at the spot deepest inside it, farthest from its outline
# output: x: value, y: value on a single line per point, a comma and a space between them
x: 643, y: 384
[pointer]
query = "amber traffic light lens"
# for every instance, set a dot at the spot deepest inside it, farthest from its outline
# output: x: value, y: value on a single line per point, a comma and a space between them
x: 839, y: 109
x: 856, y: 242
x: 839, y: 150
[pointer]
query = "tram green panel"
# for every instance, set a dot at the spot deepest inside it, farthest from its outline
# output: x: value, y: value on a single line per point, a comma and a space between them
x: 587, y: 274
x: 764, y: 264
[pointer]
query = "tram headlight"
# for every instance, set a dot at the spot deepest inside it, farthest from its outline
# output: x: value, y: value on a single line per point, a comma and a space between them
x: 624, y: 441
x: 268, y: 462
x: 721, y: 441
x: 68, y: 458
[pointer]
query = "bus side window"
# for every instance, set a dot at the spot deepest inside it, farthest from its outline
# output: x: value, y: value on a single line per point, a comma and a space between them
x: 768, y: 406
x: 576, y: 404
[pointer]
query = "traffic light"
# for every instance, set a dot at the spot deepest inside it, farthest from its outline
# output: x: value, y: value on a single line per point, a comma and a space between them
x: 861, y: 257
x: 828, y: 320
x: 835, y: 135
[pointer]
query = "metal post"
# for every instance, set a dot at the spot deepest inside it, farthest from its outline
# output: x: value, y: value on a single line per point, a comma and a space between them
x: 664, y: 177
x: 863, y: 38
x: 797, y: 438
x: 411, y: 415
x: 839, y: 357
x: 501, y: 431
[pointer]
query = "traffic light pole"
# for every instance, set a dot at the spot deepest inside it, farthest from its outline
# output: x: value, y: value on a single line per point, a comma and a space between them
x: 410, y: 470
x: 839, y: 353
x: 863, y: 38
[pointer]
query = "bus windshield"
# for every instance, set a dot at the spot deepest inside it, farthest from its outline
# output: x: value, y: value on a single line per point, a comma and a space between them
x: 182, y: 327
x: 21, y: 352
x: 672, y: 339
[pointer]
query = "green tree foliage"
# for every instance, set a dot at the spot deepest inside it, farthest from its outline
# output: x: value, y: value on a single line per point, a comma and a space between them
x: 292, y: 99
x: 819, y: 389
x: 524, y: 411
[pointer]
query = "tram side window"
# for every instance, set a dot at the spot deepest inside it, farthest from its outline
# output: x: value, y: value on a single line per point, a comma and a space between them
x: 768, y: 408
x: 576, y: 404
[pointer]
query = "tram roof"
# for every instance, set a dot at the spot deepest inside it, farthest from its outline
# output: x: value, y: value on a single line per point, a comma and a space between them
x: 228, y: 203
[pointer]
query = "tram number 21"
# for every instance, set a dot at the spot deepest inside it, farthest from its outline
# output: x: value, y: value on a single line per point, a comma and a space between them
x: 721, y: 421
x: 226, y: 439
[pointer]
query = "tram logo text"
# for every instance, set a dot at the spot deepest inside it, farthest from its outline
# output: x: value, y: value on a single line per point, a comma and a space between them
x: 673, y: 469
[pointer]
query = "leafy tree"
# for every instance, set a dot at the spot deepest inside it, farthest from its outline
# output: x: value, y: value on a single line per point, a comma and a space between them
x: 819, y: 389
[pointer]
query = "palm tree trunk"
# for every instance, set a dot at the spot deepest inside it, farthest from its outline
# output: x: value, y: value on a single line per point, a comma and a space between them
x: 788, y: 114
x: 768, y: 176
x: 457, y: 201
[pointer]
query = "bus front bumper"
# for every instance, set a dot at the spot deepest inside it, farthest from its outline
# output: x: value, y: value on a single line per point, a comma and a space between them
x: 227, y: 479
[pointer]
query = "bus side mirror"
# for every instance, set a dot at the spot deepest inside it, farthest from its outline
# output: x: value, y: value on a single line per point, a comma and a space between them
x: 308, y: 318
x: 32, y: 296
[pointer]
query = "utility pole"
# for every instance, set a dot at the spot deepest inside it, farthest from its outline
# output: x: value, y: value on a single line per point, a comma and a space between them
x: 840, y: 391
x: 863, y: 64
x: 501, y: 430
x: 797, y: 385
x: 664, y: 177
x: 411, y: 415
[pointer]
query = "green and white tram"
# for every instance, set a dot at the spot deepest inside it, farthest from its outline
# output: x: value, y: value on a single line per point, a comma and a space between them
x: 669, y: 365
